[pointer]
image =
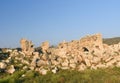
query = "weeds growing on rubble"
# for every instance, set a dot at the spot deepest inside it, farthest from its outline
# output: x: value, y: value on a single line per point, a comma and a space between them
x: 109, y: 75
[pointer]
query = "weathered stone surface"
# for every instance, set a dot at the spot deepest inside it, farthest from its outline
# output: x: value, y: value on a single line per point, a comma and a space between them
x: 35, y: 59
x: 44, y: 57
x: 118, y: 64
x: 88, y: 63
x: 101, y: 65
x: 11, y: 69
x: 96, y: 60
x: 43, y: 71
x: 82, y: 67
x: 27, y: 46
x: 65, y: 63
x: 25, y: 67
x: 42, y: 63
x: 88, y: 52
x: 54, y: 62
x: 3, y: 65
x: 94, y: 67
x: 45, y: 46
x: 65, y: 68
x: 72, y: 65
x: 111, y: 63
x: 55, y: 70
x: 88, y: 43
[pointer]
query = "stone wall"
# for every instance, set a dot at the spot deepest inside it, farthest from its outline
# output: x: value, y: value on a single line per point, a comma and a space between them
x: 27, y: 46
x: 88, y: 52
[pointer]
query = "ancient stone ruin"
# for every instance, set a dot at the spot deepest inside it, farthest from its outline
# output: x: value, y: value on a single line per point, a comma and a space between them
x: 91, y: 43
x: 26, y: 46
x: 44, y: 47
x: 87, y: 53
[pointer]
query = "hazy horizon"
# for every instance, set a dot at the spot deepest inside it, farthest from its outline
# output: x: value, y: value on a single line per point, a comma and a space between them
x: 56, y: 20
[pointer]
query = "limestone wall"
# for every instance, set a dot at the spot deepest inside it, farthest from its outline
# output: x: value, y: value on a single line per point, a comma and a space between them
x: 88, y: 52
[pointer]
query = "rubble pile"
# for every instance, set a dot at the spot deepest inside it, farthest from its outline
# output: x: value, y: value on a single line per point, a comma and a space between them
x: 87, y: 53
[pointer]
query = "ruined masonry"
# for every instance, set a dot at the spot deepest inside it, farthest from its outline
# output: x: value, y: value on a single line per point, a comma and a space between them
x: 26, y: 46
x: 88, y: 52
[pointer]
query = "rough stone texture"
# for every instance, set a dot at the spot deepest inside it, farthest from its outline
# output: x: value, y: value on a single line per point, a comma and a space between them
x: 45, y: 46
x: 82, y: 67
x: 27, y: 46
x: 88, y: 52
x: 92, y: 44
x: 88, y: 64
x: 55, y: 70
x: 3, y: 65
x: 11, y: 69
x: 43, y: 71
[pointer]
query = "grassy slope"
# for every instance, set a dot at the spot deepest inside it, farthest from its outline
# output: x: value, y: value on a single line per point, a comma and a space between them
x: 111, y: 75
x: 111, y: 40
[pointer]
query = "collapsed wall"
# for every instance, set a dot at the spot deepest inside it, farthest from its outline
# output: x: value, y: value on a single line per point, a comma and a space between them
x: 90, y: 43
x: 27, y: 46
x: 88, y: 52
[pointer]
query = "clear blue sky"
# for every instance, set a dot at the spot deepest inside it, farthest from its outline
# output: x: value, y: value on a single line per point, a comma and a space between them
x: 56, y: 20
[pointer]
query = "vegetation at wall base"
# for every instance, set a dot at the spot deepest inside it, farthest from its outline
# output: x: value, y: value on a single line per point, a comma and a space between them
x: 109, y: 75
